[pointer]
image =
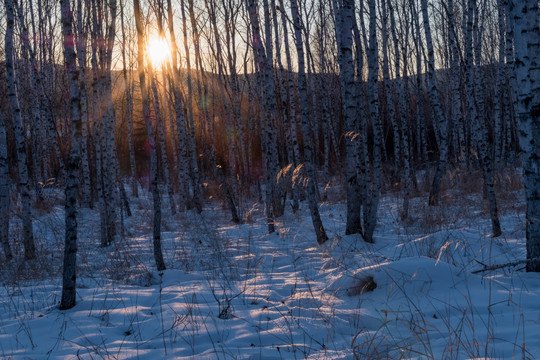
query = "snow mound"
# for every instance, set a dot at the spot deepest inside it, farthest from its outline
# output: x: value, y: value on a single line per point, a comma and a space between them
x: 420, y: 275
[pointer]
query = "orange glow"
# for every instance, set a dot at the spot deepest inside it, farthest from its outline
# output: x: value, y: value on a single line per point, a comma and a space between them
x: 158, y: 51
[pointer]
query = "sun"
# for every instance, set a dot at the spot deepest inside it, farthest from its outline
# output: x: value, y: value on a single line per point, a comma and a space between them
x: 158, y: 51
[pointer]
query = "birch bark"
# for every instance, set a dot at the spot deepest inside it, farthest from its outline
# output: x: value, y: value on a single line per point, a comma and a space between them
x: 373, y: 75
x: 439, y: 117
x: 158, y: 254
x: 527, y: 54
x: 4, y: 193
x: 24, y: 181
x: 180, y: 113
x: 344, y: 17
x: 69, y: 276
x: 476, y: 101
x: 306, y: 127
x: 265, y: 75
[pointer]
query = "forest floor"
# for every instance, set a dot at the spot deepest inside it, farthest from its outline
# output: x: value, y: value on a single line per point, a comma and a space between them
x: 235, y: 292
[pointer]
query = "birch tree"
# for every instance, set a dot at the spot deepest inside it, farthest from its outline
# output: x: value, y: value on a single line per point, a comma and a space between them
x: 373, y: 75
x: 527, y: 54
x: 402, y: 93
x: 265, y: 74
x: 439, y: 117
x: 104, y: 15
x: 290, y: 107
x: 129, y: 105
x: 4, y: 193
x: 81, y: 56
x: 69, y: 274
x: 344, y: 17
x: 158, y: 254
x: 20, y: 135
x: 306, y: 127
x: 196, y: 200
x: 476, y: 101
x: 180, y: 113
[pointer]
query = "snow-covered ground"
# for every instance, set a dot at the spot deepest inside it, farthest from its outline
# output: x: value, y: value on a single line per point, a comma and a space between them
x: 235, y: 292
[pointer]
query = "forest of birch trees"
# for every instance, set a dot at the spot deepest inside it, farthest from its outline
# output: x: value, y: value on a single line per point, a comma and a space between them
x: 274, y: 100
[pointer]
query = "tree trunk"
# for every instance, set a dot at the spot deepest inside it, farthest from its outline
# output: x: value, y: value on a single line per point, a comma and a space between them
x: 475, y: 98
x: 402, y: 93
x: 196, y: 200
x: 4, y: 193
x: 373, y: 74
x: 306, y: 128
x: 24, y: 181
x: 72, y: 167
x: 291, y: 108
x: 159, y: 119
x: 265, y: 76
x: 180, y: 113
x: 527, y: 55
x: 344, y: 17
x: 129, y: 109
x: 81, y: 54
x: 439, y: 118
x: 158, y: 255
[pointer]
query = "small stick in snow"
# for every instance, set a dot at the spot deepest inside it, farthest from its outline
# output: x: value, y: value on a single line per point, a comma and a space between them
x: 500, y: 266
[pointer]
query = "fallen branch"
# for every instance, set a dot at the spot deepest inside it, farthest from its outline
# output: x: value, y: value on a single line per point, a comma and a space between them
x: 500, y: 266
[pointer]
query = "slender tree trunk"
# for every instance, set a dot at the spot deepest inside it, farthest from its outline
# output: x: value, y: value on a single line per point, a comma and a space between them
x: 191, y: 138
x: 129, y: 108
x: 373, y: 74
x: 72, y: 167
x: 180, y: 113
x: 291, y: 107
x: 158, y: 255
x: 402, y: 93
x: 32, y: 84
x: 81, y: 55
x: 440, y: 120
x: 265, y: 74
x: 306, y: 127
x: 475, y: 97
x: 498, y: 111
x: 24, y: 181
x: 391, y: 106
x: 159, y: 119
x: 4, y: 193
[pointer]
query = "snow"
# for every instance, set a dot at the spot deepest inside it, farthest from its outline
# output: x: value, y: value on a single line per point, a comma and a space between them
x: 235, y: 292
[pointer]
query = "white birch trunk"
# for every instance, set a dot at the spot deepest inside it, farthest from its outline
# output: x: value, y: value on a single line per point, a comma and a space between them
x: 4, y: 193
x: 527, y: 55
x: 33, y: 84
x: 306, y: 127
x: 158, y: 254
x: 265, y: 75
x: 344, y: 17
x: 373, y: 75
x: 162, y: 145
x: 196, y: 200
x: 180, y: 113
x: 81, y: 55
x: 389, y: 88
x: 402, y: 93
x: 291, y: 107
x: 24, y: 181
x: 72, y: 167
x: 475, y: 98
x: 129, y: 108
x: 439, y: 118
